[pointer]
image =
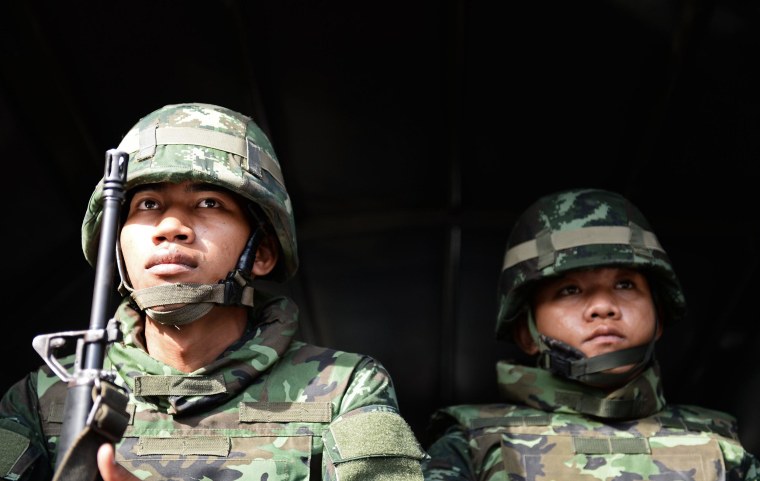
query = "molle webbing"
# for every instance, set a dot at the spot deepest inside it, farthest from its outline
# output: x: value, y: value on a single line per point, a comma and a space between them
x: 143, y: 145
x: 179, y: 385
x: 531, y: 444
x: 538, y: 420
x: 282, y: 412
x: 592, y: 445
x: 184, y: 446
x: 215, y: 434
x: 545, y: 246
x: 604, y: 453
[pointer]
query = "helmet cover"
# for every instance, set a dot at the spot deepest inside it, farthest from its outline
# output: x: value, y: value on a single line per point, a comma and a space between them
x: 204, y: 143
x: 576, y: 229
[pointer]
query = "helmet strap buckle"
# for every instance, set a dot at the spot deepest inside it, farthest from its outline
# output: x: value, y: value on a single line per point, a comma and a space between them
x: 234, y: 284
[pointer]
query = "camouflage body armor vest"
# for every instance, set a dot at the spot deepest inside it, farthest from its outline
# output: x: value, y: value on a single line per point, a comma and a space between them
x: 562, y: 430
x: 269, y: 411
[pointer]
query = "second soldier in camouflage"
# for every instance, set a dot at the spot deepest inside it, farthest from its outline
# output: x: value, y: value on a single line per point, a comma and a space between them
x: 587, y: 288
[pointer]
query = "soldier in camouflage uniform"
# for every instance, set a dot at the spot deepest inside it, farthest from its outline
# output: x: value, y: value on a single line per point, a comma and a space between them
x: 218, y: 387
x: 587, y: 288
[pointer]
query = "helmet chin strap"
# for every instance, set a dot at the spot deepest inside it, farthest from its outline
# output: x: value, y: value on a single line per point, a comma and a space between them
x: 563, y: 360
x: 196, y: 300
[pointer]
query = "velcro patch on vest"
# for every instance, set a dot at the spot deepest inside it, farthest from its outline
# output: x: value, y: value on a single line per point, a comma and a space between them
x: 285, y: 412
x: 369, y: 434
x: 184, y: 446
x: 179, y: 385
x: 12, y: 446
x: 588, y: 445
x: 397, y: 469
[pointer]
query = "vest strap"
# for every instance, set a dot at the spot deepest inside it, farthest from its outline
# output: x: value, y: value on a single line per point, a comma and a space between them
x: 284, y: 412
x: 179, y: 385
x: 588, y: 445
x: 183, y: 446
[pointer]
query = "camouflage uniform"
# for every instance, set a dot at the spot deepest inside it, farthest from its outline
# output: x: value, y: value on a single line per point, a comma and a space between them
x: 552, y: 424
x: 545, y: 432
x: 270, y: 407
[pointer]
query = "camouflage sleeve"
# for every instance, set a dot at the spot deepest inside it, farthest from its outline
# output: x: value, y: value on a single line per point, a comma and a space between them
x: 369, y: 439
x: 370, y: 385
x: 449, y: 458
x: 740, y: 465
x: 23, y: 455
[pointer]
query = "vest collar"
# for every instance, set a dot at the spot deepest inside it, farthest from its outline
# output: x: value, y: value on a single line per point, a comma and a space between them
x: 272, y: 328
x: 538, y: 388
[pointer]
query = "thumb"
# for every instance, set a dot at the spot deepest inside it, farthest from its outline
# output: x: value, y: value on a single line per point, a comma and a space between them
x: 109, y: 470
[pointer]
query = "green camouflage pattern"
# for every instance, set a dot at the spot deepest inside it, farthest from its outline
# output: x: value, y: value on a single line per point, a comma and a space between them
x: 182, y: 162
x: 260, y: 411
x: 542, y: 438
x: 539, y: 389
x: 575, y: 209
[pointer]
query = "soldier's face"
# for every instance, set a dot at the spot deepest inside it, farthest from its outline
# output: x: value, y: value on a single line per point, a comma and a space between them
x: 188, y: 232
x: 597, y: 311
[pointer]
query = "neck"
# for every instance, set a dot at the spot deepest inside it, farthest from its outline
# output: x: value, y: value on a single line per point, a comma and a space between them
x: 192, y: 346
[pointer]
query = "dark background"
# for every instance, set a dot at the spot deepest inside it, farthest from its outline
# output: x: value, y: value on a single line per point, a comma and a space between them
x: 411, y: 135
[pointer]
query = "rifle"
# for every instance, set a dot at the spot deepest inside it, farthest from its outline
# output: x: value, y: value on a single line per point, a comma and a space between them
x: 95, y: 408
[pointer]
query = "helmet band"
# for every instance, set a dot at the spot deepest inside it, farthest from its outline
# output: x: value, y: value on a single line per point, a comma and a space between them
x: 544, y: 246
x: 143, y: 145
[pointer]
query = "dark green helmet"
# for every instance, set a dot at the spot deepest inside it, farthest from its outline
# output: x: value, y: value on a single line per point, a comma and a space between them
x: 582, y: 228
x: 205, y: 143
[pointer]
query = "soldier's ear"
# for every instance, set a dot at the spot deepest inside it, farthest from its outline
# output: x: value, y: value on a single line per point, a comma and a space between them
x: 522, y: 337
x: 267, y: 255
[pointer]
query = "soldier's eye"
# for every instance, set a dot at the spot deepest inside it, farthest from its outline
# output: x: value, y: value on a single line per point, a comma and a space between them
x: 147, y: 204
x: 208, y: 203
x: 568, y: 290
x: 625, y: 284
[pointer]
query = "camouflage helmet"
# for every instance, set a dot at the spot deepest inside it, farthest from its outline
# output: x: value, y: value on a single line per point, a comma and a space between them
x: 204, y: 143
x: 582, y: 228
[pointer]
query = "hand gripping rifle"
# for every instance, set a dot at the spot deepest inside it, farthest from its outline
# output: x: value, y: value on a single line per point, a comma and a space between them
x: 95, y: 408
